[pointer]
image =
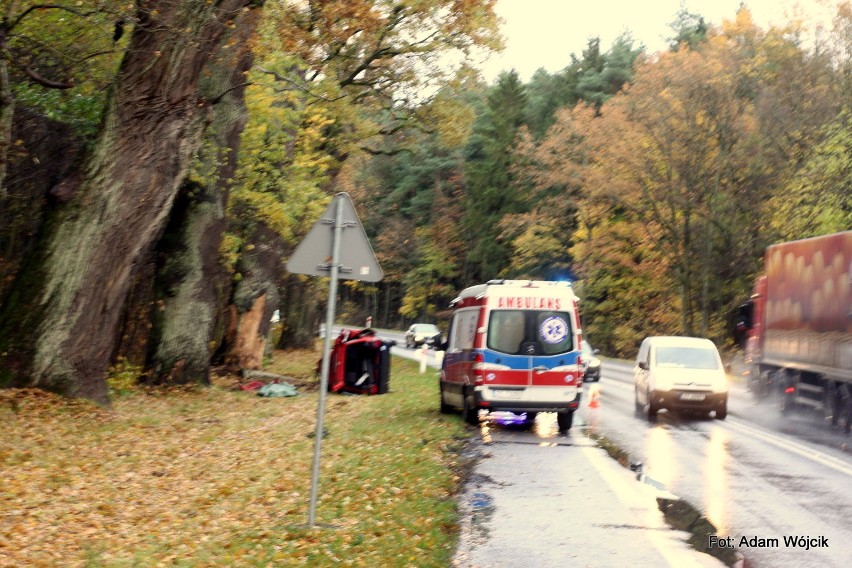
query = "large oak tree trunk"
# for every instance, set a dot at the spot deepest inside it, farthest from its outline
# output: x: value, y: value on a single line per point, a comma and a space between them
x: 73, y: 297
x: 45, y: 151
x: 194, y: 289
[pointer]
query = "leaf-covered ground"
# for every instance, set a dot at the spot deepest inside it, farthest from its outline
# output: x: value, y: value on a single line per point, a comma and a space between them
x: 220, y: 477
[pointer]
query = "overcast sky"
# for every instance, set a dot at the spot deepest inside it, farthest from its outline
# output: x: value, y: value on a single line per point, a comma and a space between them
x: 544, y: 33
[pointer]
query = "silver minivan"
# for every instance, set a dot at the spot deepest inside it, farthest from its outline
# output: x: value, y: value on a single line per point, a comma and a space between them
x: 682, y: 374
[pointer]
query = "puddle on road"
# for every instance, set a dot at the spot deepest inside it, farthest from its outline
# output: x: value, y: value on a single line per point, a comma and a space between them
x: 479, y: 508
x: 679, y: 514
x: 542, y: 430
x: 482, y: 507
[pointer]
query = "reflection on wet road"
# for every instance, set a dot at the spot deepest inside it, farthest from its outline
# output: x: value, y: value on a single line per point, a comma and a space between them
x: 757, y: 477
x: 756, y: 474
x: 715, y: 473
x: 661, y: 463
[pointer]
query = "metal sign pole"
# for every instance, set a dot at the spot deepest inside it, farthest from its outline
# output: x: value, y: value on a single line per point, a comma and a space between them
x: 326, y: 349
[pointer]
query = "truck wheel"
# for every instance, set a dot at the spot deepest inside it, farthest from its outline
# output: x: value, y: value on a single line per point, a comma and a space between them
x: 564, y: 420
x: 469, y: 411
x: 832, y: 403
x: 445, y: 408
x: 786, y: 401
x: 757, y: 383
x: 845, y: 406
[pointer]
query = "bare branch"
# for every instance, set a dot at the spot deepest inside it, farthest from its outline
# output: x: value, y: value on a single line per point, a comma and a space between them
x: 45, y: 82
x: 394, y: 152
x: 219, y: 98
x: 296, y: 84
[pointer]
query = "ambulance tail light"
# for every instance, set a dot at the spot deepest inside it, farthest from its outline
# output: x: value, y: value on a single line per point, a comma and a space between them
x: 483, y: 370
x: 478, y: 370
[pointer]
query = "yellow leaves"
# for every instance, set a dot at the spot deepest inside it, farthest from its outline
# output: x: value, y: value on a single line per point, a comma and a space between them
x: 452, y: 119
x: 213, y: 476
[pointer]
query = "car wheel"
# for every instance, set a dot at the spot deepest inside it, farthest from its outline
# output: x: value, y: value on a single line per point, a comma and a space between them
x: 445, y: 408
x: 469, y: 411
x: 638, y: 406
x: 722, y: 411
x: 564, y: 420
x: 652, y: 409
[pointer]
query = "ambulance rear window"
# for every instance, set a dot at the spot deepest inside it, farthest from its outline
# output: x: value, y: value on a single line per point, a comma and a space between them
x: 530, y: 332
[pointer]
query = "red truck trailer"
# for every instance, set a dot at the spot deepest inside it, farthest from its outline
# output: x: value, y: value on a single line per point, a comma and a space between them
x: 798, y: 325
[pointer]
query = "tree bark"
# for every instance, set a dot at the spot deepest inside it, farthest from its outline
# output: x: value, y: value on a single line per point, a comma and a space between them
x: 153, y: 125
x: 7, y: 111
x: 249, y: 343
x: 194, y: 289
x: 7, y: 98
x: 255, y: 299
x: 47, y: 151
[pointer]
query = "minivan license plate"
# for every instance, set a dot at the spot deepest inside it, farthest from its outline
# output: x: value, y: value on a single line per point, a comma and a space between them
x: 692, y: 396
x: 506, y: 394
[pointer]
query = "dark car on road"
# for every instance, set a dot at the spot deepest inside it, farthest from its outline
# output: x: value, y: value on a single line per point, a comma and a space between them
x: 591, y: 363
x: 422, y: 334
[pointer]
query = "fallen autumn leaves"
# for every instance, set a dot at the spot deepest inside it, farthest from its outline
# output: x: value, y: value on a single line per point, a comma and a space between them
x: 214, y: 476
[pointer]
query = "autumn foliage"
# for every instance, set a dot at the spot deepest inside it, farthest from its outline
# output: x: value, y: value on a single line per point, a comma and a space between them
x: 215, y: 476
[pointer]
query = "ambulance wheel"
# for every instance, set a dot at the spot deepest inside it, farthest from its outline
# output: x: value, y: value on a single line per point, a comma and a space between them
x: 445, y: 408
x: 565, y: 420
x: 469, y: 410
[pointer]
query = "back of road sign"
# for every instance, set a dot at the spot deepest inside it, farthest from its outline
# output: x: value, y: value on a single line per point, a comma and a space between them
x: 357, y: 260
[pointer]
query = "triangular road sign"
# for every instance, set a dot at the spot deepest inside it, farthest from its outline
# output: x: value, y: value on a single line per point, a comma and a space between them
x: 357, y: 260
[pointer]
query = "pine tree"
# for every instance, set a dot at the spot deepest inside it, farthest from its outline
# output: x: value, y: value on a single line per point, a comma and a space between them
x: 490, y: 193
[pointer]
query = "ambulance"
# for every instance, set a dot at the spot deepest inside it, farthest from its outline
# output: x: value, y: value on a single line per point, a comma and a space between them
x: 513, y: 345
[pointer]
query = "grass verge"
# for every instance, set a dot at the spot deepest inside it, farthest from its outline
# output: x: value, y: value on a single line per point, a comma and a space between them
x: 219, y: 477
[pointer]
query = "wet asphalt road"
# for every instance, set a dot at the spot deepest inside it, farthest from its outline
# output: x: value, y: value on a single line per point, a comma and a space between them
x: 755, y: 476
x: 768, y: 483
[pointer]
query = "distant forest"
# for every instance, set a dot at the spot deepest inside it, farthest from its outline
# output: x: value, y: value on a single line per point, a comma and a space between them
x: 160, y: 160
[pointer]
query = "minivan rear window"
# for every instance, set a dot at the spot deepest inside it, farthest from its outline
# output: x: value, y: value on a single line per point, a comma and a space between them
x: 687, y: 357
x: 530, y: 332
